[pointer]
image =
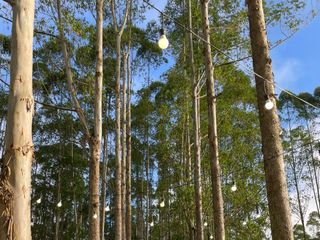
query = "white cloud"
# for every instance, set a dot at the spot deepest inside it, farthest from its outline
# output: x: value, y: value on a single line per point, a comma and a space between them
x: 287, y: 73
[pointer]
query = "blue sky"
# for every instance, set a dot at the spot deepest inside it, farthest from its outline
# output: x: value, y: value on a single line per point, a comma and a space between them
x: 296, y: 62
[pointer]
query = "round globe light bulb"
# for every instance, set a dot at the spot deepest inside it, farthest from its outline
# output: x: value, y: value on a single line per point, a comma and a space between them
x: 152, y: 224
x: 163, y: 42
x: 244, y: 223
x: 211, y: 237
x: 162, y: 204
x: 107, y: 208
x: 234, y: 188
x: 38, y: 201
x: 205, y: 224
x: 95, y: 216
x: 269, y: 104
x: 59, y: 204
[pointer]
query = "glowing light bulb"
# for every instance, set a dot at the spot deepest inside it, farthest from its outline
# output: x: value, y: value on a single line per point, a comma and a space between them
x: 163, y: 42
x: 234, y: 188
x: 162, y: 204
x: 152, y: 224
x: 268, y: 104
x: 38, y: 201
x: 211, y: 237
x: 244, y: 223
x: 107, y: 208
x: 95, y: 216
x: 59, y: 204
x: 205, y: 224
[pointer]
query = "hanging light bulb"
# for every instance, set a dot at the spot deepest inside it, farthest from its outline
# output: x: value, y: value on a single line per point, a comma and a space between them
x: 59, y: 204
x: 211, y: 237
x: 205, y: 224
x: 152, y: 224
x: 163, y: 42
x: 268, y: 104
x: 162, y: 204
x: 234, y: 187
x: 244, y: 223
x: 38, y: 200
x: 95, y: 216
x: 107, y: 208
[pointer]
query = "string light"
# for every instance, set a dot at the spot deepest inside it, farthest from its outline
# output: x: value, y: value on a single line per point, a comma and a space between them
x: 162, y: 204
x: 268, y: 104
x: 228, y: 56
x: 205, y: 224
x: 234, y: 187
x: 107, y: 208
x: 38, y: 200
x: 244, y: 223
x: 211, y: 237
x: 152, y: 224
x: 59, y: 204
x: 95, y: 216
x: 163, y: 42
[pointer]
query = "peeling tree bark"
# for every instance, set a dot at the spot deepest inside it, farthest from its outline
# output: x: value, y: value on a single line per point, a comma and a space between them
x: 15, y: 176
x: 277, y: 192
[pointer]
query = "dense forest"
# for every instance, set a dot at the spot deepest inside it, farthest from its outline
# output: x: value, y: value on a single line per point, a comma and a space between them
x: 94, y: 145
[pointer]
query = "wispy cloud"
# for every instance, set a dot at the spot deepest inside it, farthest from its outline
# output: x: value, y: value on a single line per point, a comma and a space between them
x: 288, y: 73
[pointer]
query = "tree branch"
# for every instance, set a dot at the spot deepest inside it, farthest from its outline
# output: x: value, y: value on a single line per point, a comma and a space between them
x: 35, y: 30
x: 46, y: 105
x: 10, y: 2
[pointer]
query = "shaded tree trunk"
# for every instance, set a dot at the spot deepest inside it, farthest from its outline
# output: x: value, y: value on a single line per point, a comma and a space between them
x: 196, y: 136
x: 57, y: 223
x: 277, y: 192
x: 295, y: 177
x: 104, y: 173
x: 94, y: 175
x: 123, y: 142
x: 15, y: 176
x: 118, y: 202
x: 217, y: 199
x: 128, y: 192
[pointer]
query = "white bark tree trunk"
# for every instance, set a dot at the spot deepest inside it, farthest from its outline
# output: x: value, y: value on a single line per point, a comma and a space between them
x: 94, y: 175
x: 15, y: 176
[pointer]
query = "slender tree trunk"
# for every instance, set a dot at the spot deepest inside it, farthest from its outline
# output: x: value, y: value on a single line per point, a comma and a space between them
x: 57, y: 223
x: 313, y: 162
x: 277, y: 192
x: 218, y: 214
x: 94, y: 175
x: 147, y: 166
x: 118, y: 212
x: 123, y: 142
x: 15, y: 176
x: 197, y: 139
x: 118, y: 202
x: 295, y: 177
x: 104, y: 174
x: 128, y: 192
